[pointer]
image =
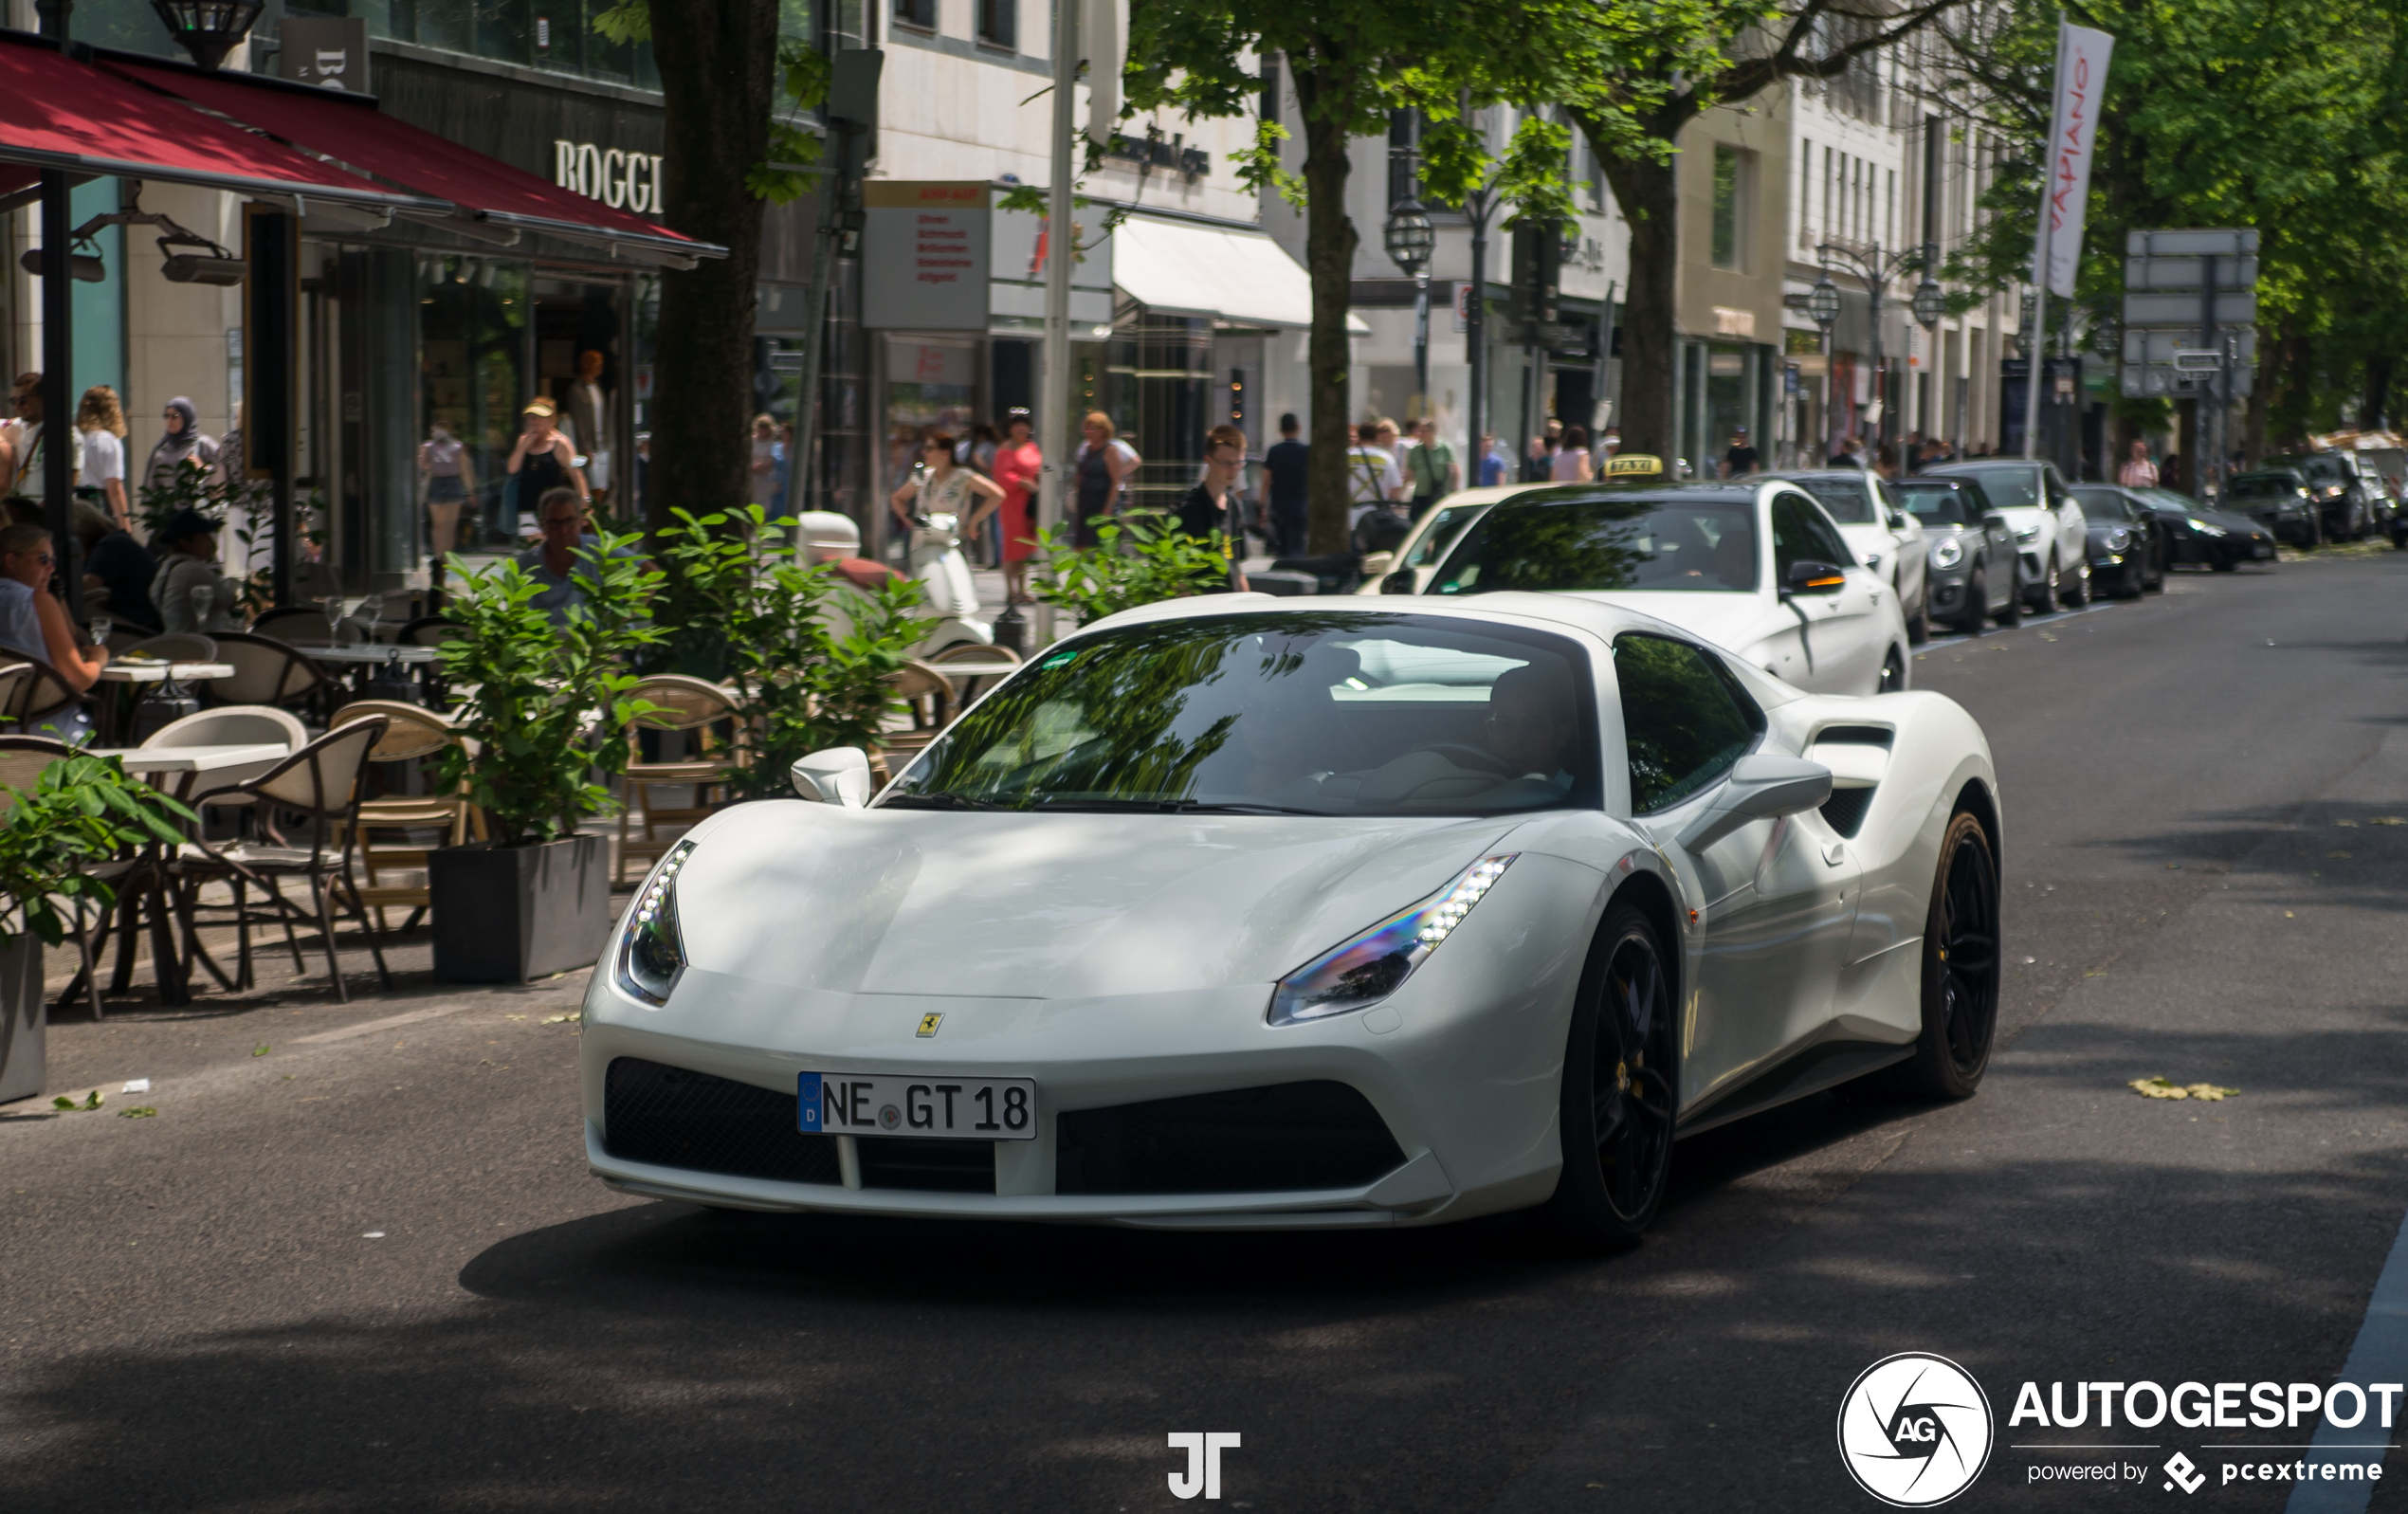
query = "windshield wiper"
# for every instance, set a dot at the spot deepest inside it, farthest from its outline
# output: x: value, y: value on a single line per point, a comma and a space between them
x: 1169, y: 807
x: 938, y: 800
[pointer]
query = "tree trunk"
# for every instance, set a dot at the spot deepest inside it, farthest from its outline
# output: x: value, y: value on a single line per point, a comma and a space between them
x: 718, y: 85
x: 1648, y: 191
x: 1329, y: 259
x: 2261, y: 397
x: 2376, y: 412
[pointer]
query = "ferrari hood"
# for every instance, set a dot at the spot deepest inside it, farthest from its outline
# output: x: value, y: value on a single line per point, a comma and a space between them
x: 1060, y: 906
x: 1729, y: 620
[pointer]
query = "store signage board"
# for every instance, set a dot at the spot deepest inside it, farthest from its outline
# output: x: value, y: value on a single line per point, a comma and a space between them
x: 2189, y: 273
x: 2159, y: 346
x: 1018, y: 244
x: 924, y: 258
x: 328, y: 51
x: 2199, y: 242
x: 2165, y: 381
x: 2180, y: 312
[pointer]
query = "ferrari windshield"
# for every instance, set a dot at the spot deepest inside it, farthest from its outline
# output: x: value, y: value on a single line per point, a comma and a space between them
x: 1619, y: 542
x: 1303, y: 713
x: 1939, y: 504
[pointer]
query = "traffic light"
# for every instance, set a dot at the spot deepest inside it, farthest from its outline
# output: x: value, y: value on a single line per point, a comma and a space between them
x: 1533, y: 310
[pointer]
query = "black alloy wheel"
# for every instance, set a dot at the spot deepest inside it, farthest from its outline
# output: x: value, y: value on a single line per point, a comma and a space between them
x: 1919, y: 623
x: 1619, y: 1095
x: 1894, y: 673
x: 1960, y: 971
x: 2156, y: 558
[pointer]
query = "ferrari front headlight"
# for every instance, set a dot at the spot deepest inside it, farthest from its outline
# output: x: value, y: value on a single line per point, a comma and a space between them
x: 1375, y: 963
x: 651, y: 954
x: 1947, y: 552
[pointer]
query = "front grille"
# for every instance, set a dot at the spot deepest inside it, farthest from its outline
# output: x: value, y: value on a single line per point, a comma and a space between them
x: 671, y: 1117
x: 936, y: 1166
x: 1289, y: 1135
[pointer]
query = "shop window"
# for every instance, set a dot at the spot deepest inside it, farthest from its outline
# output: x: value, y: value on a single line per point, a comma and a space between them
x: 1733, y: 194
x: 999, y: 23
x: 918, y: 14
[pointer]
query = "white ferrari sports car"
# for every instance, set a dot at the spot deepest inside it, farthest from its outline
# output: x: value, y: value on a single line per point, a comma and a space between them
x: 1237, y: 912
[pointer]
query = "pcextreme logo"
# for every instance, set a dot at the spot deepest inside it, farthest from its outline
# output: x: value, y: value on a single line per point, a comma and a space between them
x: 1914, y: 1429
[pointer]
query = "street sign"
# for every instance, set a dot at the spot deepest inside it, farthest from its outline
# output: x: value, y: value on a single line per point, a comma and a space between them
x: 2180, y: 312
x: 2146, y: 346
x: 2188, y: 273
x: 2196, y: 359
x: 2193, y: 243
x: 2165, y: 381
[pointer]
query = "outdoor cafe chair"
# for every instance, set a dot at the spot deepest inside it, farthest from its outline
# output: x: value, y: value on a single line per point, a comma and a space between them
x: 43, y: 702
x: 1003, y: 660
x: 699, y: 709
x: 929, y: 699
x: 266, y: 672
x: 318, y: 787
x: 230, y: 725
x: 294, y: 625
x: 414, y: 735
x: 173, y: 647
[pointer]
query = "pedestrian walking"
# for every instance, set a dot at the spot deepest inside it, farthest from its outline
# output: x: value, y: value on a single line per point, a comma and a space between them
x: 181, y: 446
x: 541, y: 460
x: 2169, y: 476
x: 443, y: 465
x: 760, y: 475
x: 1496, y: 463
x: 1103, y: 467
x: 942, y: 486
x: 1430, y: 467
x: 2138, y: 471
x: 1742, y: 459
x: 1372, y: 478
x: 100, y: 425
x: 1572, y: 464
x: 1209, y: 508
x: 1287, y: 463
x: 1018, y: 463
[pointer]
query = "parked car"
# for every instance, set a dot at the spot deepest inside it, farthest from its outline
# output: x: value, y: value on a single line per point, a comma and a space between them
x: 2127, y: 546
x: 1365, y: 915
x: 1974, y: 569
x: 2194, y: 533
x: 1887, y: 540
x: 1433, y: 529
x: 2049, y: 530
x: 1753, y: 566
x: 2349, y: 499
x: 2279, y: 500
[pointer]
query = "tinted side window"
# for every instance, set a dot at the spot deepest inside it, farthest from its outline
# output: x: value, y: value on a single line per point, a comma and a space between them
x: 1800, y: 534
x: 1683, y: 722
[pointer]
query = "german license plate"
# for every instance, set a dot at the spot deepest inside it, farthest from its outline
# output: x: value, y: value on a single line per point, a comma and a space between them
x: 2264, y: 551
x: 929, y: 1105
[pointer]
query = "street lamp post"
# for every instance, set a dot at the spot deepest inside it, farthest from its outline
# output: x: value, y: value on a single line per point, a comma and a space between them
x: 1875, y: 271
x: 1409, y: 238
x: 1823, y: 305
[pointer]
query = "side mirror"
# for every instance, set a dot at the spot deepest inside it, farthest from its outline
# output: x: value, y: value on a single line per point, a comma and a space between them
x: 839, y: 776
x: 1399, y: 582
x: 1996, y: 518
x: 1897, y: 519
x: 1762, y: 787
x: 1813, y: 578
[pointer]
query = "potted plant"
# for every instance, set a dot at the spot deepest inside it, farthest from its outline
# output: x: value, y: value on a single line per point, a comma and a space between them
x: 807, y: 656
x: 82, y: 811
x: 1155, y: 561
x: 547, y: 711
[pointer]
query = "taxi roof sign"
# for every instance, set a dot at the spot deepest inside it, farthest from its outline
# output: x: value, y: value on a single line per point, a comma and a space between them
x: 1633, y: 464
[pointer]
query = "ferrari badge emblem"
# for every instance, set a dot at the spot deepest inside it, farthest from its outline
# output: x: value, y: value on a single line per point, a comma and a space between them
x: 928, y: 1024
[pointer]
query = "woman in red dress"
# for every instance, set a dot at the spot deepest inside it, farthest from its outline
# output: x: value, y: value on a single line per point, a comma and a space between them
x: 1017, y: 462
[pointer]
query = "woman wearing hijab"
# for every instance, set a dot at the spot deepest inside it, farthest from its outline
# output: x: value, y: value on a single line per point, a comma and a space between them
x: 183, y: 446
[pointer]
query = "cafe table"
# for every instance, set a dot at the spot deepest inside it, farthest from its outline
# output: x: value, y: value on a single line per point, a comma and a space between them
x: 362, y: 662
x: 185, y: 766
x: 143, y: 672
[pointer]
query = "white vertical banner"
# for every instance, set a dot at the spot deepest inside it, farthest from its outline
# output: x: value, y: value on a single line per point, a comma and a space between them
x: 2082, y: 68
x: 1104, y: 32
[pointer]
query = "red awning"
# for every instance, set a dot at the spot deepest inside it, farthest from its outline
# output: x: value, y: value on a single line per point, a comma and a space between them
x: 351, y: 130
x: 56, y: 112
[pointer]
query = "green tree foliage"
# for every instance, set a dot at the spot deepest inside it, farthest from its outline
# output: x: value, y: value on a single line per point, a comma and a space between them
x: 1140, y: 558
x: 550, y: 704
x: 2286, y: 117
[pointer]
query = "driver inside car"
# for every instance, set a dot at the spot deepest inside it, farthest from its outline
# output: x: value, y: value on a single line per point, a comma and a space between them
x: 1530, y: 725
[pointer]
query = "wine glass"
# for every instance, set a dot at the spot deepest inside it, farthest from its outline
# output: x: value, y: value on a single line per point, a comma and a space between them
x: 371, y: 609
x: 334, y: 620
x: 101, y: 626
x: 204, y: 601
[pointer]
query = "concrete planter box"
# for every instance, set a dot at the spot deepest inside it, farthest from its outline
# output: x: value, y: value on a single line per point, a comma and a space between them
x: 513, y: 914
x: 25, y: 1018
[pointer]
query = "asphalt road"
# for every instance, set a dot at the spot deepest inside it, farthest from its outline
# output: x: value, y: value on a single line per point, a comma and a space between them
x: 364, y: 1269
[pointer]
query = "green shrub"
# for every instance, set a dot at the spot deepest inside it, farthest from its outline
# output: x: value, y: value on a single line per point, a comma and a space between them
x: 81, y: 810
x: 1138, y: 558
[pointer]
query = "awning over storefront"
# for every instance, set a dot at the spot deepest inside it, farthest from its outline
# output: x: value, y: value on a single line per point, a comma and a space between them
x: 1178, y: 268
x: 489, y: 200
x: 58, y: 113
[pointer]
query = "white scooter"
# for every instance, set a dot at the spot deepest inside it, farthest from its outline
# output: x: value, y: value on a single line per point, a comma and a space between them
x: 943, y: 576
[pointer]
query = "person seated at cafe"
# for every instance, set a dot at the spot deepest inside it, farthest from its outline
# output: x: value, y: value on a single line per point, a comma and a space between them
x: 117, y: 570
x: 34, y: 624
x: 563, y: 563
x: 191, y: 594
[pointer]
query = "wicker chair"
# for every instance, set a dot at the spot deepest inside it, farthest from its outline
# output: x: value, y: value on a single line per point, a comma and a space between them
x: 929, y: 697
x: 1003, y: 660
x: 413, y: 734
x: 42, y: 703
x: 173, y: 647
x: 319, y: 785
x: 699, y: 709
x: 294, y: 625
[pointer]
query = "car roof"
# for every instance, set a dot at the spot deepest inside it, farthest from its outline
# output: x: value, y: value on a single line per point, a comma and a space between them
x: 1981, y: 464
x: 1931, y: 480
